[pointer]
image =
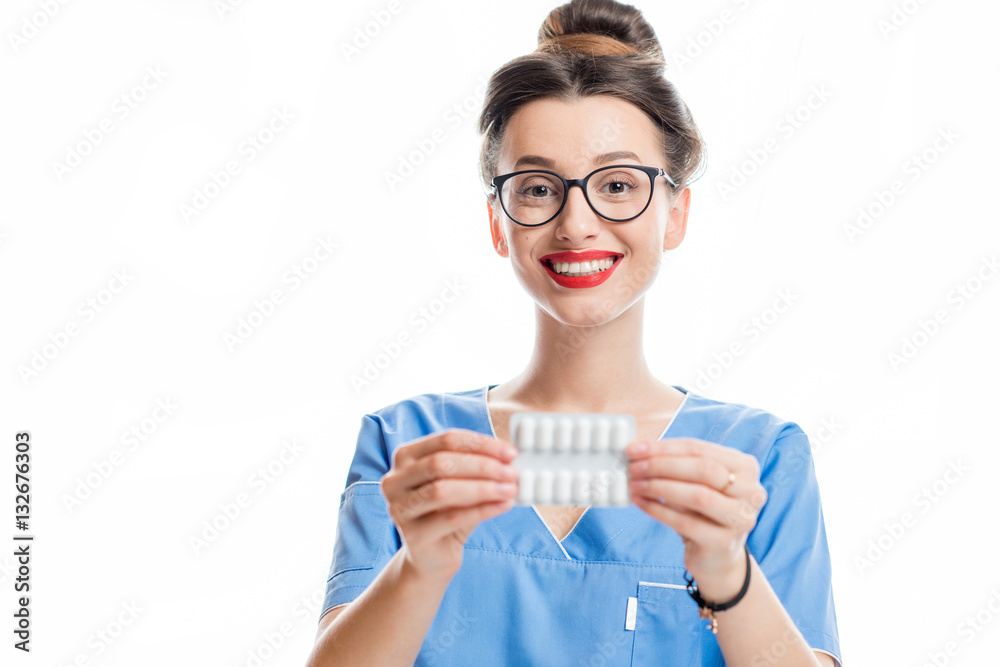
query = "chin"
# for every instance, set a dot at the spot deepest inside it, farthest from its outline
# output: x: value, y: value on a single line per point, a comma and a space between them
x: 582, y: 314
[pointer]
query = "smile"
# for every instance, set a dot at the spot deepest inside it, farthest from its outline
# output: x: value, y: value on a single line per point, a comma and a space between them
x: 581, y: 269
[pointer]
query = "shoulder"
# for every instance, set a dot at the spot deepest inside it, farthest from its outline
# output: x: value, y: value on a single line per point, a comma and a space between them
x: 382, y: 431
x: 421, y: 414
x: 749, y: 428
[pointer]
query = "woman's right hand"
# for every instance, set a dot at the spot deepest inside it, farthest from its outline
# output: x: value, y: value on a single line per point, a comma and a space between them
x: 440, y: 487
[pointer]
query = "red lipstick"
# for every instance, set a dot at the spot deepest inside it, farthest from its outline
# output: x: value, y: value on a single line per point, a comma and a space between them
x: 581, y: 281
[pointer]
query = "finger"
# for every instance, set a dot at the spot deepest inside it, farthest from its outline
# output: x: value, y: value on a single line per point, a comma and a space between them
x: 448, y: 493
x: 745, y: 465
x: 698, y: 469
x: 690, y: 527
x: 456, y: 440
x: 436, y: 525
x: 700, y: 500
x: 446, y: 463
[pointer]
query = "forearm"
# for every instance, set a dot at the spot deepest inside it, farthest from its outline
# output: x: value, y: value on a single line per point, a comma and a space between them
x: 386, y: 624
x: 757, y: 632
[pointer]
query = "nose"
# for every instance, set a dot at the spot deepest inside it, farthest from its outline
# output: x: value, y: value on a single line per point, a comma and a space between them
x: 577, y: 221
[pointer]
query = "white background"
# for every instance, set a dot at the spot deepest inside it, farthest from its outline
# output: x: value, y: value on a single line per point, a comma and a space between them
x: 189, y: 282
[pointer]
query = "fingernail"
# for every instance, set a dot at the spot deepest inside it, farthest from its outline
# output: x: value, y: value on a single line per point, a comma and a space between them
x: 506, y: 488
x: 508, y: 472
x: 637, y: 448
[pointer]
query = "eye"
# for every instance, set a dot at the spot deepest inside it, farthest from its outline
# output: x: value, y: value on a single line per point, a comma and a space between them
x: 535, y: 187
x: 619, y: 184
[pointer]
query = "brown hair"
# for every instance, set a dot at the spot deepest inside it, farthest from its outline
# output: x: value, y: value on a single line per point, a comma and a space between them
x: 593, y: 47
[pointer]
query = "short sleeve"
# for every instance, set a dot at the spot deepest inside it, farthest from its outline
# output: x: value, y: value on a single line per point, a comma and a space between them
x: 366, y: 537
x: 789, y: 540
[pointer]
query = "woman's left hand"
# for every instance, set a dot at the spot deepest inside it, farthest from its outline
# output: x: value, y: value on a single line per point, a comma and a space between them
x: 711, y: 495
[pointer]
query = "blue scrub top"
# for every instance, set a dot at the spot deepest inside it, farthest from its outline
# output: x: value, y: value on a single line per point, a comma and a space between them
x: 523, y: 598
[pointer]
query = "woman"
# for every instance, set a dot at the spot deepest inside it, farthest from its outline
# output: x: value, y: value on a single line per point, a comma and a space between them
x: 434, y: 564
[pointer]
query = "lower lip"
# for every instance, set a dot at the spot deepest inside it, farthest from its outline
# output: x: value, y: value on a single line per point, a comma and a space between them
x: 581, y: 281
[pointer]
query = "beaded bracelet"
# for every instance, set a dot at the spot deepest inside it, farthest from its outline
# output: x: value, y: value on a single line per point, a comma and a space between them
x: 707, y: 609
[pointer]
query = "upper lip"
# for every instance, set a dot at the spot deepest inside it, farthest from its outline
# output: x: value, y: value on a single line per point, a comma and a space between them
x: 585, y: 256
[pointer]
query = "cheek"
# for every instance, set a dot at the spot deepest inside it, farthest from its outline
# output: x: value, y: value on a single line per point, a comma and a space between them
x: 520, y: 250
x: 647, y: 267
x: 647, y: 256
x: 527, y: 265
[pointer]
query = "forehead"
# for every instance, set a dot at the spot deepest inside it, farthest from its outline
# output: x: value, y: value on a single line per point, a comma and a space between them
x: 573, y: 133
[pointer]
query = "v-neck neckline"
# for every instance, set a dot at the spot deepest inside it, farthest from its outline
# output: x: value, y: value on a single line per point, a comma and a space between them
x: 586, y: 515
x: 484, y: 403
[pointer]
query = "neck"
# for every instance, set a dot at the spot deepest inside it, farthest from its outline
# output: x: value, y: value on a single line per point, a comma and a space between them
x: 599, y: 368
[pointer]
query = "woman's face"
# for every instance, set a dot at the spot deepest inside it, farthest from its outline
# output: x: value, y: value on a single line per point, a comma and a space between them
x: 573, y: 139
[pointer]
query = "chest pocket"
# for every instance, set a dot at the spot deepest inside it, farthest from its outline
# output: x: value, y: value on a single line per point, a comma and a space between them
x: 668, y: 630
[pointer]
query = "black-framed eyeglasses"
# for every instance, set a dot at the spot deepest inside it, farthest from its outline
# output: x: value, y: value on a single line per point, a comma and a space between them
x: 619, y: 192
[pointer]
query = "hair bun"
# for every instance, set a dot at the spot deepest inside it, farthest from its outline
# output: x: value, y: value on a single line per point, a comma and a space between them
x: 600, y: 28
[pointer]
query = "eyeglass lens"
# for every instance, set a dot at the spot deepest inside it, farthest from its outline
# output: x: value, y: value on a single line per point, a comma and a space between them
x: 534, y: 197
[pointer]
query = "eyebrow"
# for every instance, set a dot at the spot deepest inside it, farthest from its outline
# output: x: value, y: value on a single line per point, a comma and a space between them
x: 550, y: 164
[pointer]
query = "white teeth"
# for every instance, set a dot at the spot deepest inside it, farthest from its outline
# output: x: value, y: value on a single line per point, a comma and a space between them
x: 582, y: 268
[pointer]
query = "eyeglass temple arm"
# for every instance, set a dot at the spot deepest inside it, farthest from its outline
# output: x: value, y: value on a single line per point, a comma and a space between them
x: 661, y: 172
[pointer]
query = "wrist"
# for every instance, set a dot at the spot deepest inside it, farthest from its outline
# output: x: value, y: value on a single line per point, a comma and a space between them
x: 723, y: 586
x: 409, y: 571
x: 708, y: 608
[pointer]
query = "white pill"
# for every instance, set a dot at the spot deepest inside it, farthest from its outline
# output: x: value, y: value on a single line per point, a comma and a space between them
x: 601, y: 437
x: 563, y: 491
x: 543, y: 487
x: 599, y: 494
x: 581, y: 444
x: 526, y: 434
x: 544, y: 433
x: 564, y: 434
x: 581, y: 487
x: 526, y: 490
x: 619, y: 489
x: 621, y: 435
x: 602, y: 480
x: 582, y: 436
x: 602, y: 434
x: 572, y: 458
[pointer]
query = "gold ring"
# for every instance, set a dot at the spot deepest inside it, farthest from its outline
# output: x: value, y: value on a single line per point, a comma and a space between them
x: 732, y: 478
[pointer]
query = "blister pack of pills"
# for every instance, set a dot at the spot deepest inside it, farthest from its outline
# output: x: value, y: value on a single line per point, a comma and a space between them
x: 570, y: 458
